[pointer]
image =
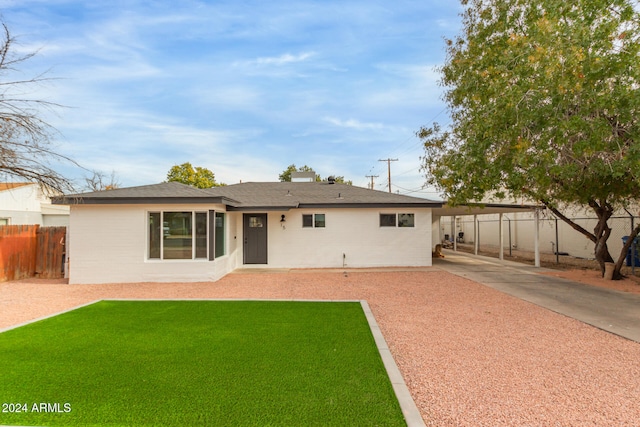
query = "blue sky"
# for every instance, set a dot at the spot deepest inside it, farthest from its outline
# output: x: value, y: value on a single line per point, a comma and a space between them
x: 244, y: 88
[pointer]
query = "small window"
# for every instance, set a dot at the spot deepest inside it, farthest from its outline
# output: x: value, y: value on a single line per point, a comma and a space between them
x: 387, y: 220
x: 255, y: 222
x: 313, y: 221
x: 406, y: 220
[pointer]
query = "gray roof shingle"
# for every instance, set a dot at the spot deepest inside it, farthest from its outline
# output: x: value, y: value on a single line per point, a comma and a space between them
x: 166, y: 192
x: 253, y: 195
x: 286, y: 195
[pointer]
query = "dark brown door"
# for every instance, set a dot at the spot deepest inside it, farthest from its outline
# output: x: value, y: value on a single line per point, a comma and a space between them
x: 255, y: 238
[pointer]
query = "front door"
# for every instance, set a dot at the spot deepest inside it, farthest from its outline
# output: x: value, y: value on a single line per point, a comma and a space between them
x: 255, y: 238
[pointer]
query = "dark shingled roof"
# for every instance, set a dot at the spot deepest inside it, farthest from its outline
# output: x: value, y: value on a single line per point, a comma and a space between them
x: 286, y: 195
x: 253, y: 195
x: 166, y: 192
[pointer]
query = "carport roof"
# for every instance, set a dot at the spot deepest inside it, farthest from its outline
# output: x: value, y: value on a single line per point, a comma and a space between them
x: 483, y: 209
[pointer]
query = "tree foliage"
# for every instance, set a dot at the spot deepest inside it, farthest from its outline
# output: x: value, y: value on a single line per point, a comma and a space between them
x: 198, y: 177
x: 26, y: 151
x: 544, y: 100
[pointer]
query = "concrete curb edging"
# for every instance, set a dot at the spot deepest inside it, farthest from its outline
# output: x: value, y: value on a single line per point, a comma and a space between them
x: 407, y: 404
x: 48, y: 316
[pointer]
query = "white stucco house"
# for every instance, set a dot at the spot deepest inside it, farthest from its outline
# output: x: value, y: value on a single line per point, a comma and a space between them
x: 172, y: 232
x: 26, y: 203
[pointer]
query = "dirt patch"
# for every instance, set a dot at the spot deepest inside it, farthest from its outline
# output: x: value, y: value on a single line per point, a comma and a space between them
x: 594, y: 278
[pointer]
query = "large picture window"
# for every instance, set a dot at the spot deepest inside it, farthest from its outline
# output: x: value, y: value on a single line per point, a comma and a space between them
x: 185, y: 235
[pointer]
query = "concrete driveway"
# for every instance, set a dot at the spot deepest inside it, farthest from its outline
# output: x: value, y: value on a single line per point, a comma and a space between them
x: 612, y: 311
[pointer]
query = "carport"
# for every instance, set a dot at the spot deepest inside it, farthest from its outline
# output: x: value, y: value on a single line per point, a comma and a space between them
x: 500, y: 209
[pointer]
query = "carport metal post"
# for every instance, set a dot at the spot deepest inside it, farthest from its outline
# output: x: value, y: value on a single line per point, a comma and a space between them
x: 453, y: 233
x: 536, y: 237
x: 476, y: 234
x: 501, y: 236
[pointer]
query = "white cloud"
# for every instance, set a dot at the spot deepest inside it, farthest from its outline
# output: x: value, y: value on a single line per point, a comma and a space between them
x: 354, y: 124
x: 284, y: 59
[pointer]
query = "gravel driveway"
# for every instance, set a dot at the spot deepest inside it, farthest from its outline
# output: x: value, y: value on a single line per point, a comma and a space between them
x: 470, y: 355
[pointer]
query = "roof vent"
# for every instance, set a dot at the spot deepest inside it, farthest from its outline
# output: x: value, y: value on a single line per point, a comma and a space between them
x: 331, y: 179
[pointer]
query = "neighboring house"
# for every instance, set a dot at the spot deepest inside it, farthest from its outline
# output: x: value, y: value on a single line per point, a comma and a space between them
x: 26, y: 203
x: 172, y: 232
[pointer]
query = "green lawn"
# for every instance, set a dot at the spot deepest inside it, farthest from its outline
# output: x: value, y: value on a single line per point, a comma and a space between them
x: 197, y: 363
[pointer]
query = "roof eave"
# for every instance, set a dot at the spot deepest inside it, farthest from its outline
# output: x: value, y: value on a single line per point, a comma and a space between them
x: 376, y: 205
x: 65, y: 200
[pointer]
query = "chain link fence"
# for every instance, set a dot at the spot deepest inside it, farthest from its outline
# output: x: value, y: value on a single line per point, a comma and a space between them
x: 560, y: 245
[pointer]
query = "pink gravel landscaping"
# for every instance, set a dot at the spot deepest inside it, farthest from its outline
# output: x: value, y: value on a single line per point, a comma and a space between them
x: 470, y: 355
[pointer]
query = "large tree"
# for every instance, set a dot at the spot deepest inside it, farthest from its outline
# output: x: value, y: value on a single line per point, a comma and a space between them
x: 26, y: 151
x: 198, y: 177
x: 544, y: 99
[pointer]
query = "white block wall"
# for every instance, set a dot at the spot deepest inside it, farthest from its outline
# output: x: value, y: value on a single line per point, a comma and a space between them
x: 108, y: 244
x: 352, y: 238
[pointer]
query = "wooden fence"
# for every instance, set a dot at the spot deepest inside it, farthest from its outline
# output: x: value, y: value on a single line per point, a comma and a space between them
x: 31, y: 251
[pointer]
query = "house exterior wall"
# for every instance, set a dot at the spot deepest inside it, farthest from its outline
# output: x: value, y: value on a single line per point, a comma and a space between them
x: 351, y: 238
x: 108, y: 244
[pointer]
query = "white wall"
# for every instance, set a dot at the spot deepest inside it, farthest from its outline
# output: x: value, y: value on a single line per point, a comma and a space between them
x: 108, y: 244
x: 522, y: 232
x: 352, y: 238
x: 28, y: 205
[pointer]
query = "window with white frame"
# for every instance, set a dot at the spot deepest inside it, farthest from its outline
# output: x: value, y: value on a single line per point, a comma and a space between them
x: 397, y: 220
x: 313, y: 221
x: 185, y: 235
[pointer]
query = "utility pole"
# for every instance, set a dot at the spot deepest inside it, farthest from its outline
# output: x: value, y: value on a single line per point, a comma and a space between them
x: 389, y: 169
x: 371, y: 176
